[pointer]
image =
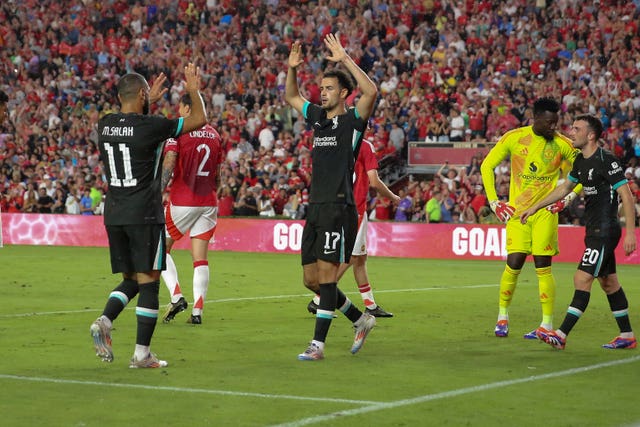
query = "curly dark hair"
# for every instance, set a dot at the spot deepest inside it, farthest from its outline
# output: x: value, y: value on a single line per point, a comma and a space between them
x: 344, y: 79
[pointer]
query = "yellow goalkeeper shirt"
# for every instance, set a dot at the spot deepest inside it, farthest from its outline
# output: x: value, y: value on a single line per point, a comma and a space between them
x: 535, y: 165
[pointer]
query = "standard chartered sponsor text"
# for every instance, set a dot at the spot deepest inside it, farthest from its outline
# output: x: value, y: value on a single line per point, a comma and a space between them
x: 325, y: 141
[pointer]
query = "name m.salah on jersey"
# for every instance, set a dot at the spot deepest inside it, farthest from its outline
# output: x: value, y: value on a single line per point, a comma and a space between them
x: 117, y: 131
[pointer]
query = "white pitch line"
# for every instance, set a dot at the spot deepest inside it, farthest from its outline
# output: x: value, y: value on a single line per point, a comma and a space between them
x: 451, y: 393
x: 256, y: 298
x: 187, y: 390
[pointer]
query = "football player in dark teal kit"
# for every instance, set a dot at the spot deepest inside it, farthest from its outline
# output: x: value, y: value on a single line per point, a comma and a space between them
x: 130, y: 144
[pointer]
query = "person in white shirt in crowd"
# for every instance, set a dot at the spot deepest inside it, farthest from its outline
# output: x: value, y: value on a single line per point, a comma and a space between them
x: 233, y: 155
x: 450, y: 176
x: 265, y: 207
x: 266, y: 138
x: 457, y: 126
x: 72, y: 204
x: 397, y: 137
x: 279, y: 152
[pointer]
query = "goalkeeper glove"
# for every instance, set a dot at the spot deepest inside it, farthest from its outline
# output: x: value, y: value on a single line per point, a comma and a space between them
x: 562, y: 203
x: 503, y: 211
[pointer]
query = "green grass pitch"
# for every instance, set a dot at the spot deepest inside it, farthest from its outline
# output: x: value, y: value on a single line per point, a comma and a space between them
x: 436, y: 363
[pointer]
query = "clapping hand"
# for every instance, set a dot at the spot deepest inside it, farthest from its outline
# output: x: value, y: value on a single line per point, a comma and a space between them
x: 295, y: 56
x: 338, y: 53
x: 158, y: 89
x: 192, y: 77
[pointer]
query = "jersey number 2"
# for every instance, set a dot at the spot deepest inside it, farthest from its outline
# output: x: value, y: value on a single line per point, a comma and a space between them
x: 203, y: 162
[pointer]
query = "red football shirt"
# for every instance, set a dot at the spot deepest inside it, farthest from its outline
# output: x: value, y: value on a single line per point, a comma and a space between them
x: 194, y: 177
x: 365, y: 162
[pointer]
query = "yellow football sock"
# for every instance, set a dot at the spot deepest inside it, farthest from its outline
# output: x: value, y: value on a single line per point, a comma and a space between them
x: 547, y: 293
x: 508, y: 283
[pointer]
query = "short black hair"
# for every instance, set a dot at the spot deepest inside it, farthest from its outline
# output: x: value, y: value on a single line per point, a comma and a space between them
x: 594, y: 123
x: 545, y: 104
x: 3, y: 98
x: 186, y: 100
x: 344, y: 79
x: 129, y: 85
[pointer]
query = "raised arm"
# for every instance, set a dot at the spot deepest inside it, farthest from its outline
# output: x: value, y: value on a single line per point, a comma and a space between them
x: 369, y: 91
x: 158, y: 89
x: 291, y: 90
x: 198, y: 116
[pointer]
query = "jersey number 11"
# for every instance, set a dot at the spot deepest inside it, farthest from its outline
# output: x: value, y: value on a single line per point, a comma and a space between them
x: 129, y: 180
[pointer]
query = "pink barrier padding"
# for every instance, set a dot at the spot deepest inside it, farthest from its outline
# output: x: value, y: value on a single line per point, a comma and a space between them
x: 390, y: 239
x: 423, y: 154
x: 53, y: 230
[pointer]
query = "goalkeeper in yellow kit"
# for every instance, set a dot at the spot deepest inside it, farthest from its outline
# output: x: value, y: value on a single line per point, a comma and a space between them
x: 537, y: 153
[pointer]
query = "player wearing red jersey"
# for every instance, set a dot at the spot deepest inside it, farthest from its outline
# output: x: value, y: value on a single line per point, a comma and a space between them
x: 194, y: 161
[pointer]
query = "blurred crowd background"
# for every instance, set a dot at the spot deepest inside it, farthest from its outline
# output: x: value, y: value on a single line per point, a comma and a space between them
x: 447, y: 71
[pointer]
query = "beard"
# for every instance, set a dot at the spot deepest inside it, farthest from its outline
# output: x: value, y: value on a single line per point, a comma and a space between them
x: 328, y: 105
x: 145, y: 107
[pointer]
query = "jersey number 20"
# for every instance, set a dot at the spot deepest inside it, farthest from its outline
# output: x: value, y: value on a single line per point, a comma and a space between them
x: 590, y: 256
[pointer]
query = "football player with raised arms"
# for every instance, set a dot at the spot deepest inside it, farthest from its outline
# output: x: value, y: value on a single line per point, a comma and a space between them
x: 130, y: 144
x: 331, y: 224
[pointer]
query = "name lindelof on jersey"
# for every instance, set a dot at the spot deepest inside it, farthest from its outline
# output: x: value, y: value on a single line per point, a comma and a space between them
x: 117, y: 131
x: 202, y: 134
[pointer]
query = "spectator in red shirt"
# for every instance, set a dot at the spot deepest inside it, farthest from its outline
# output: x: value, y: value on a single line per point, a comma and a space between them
x: 383, y: 208
x: 225, y: 201
x: 280, y: 201
x: 479, y: 199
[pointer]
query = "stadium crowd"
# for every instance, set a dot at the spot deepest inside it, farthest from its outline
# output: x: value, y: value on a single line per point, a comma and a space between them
x: 447, y: 71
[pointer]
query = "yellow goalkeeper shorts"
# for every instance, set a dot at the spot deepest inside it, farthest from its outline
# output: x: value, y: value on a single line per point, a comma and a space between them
x: 539, y: 236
